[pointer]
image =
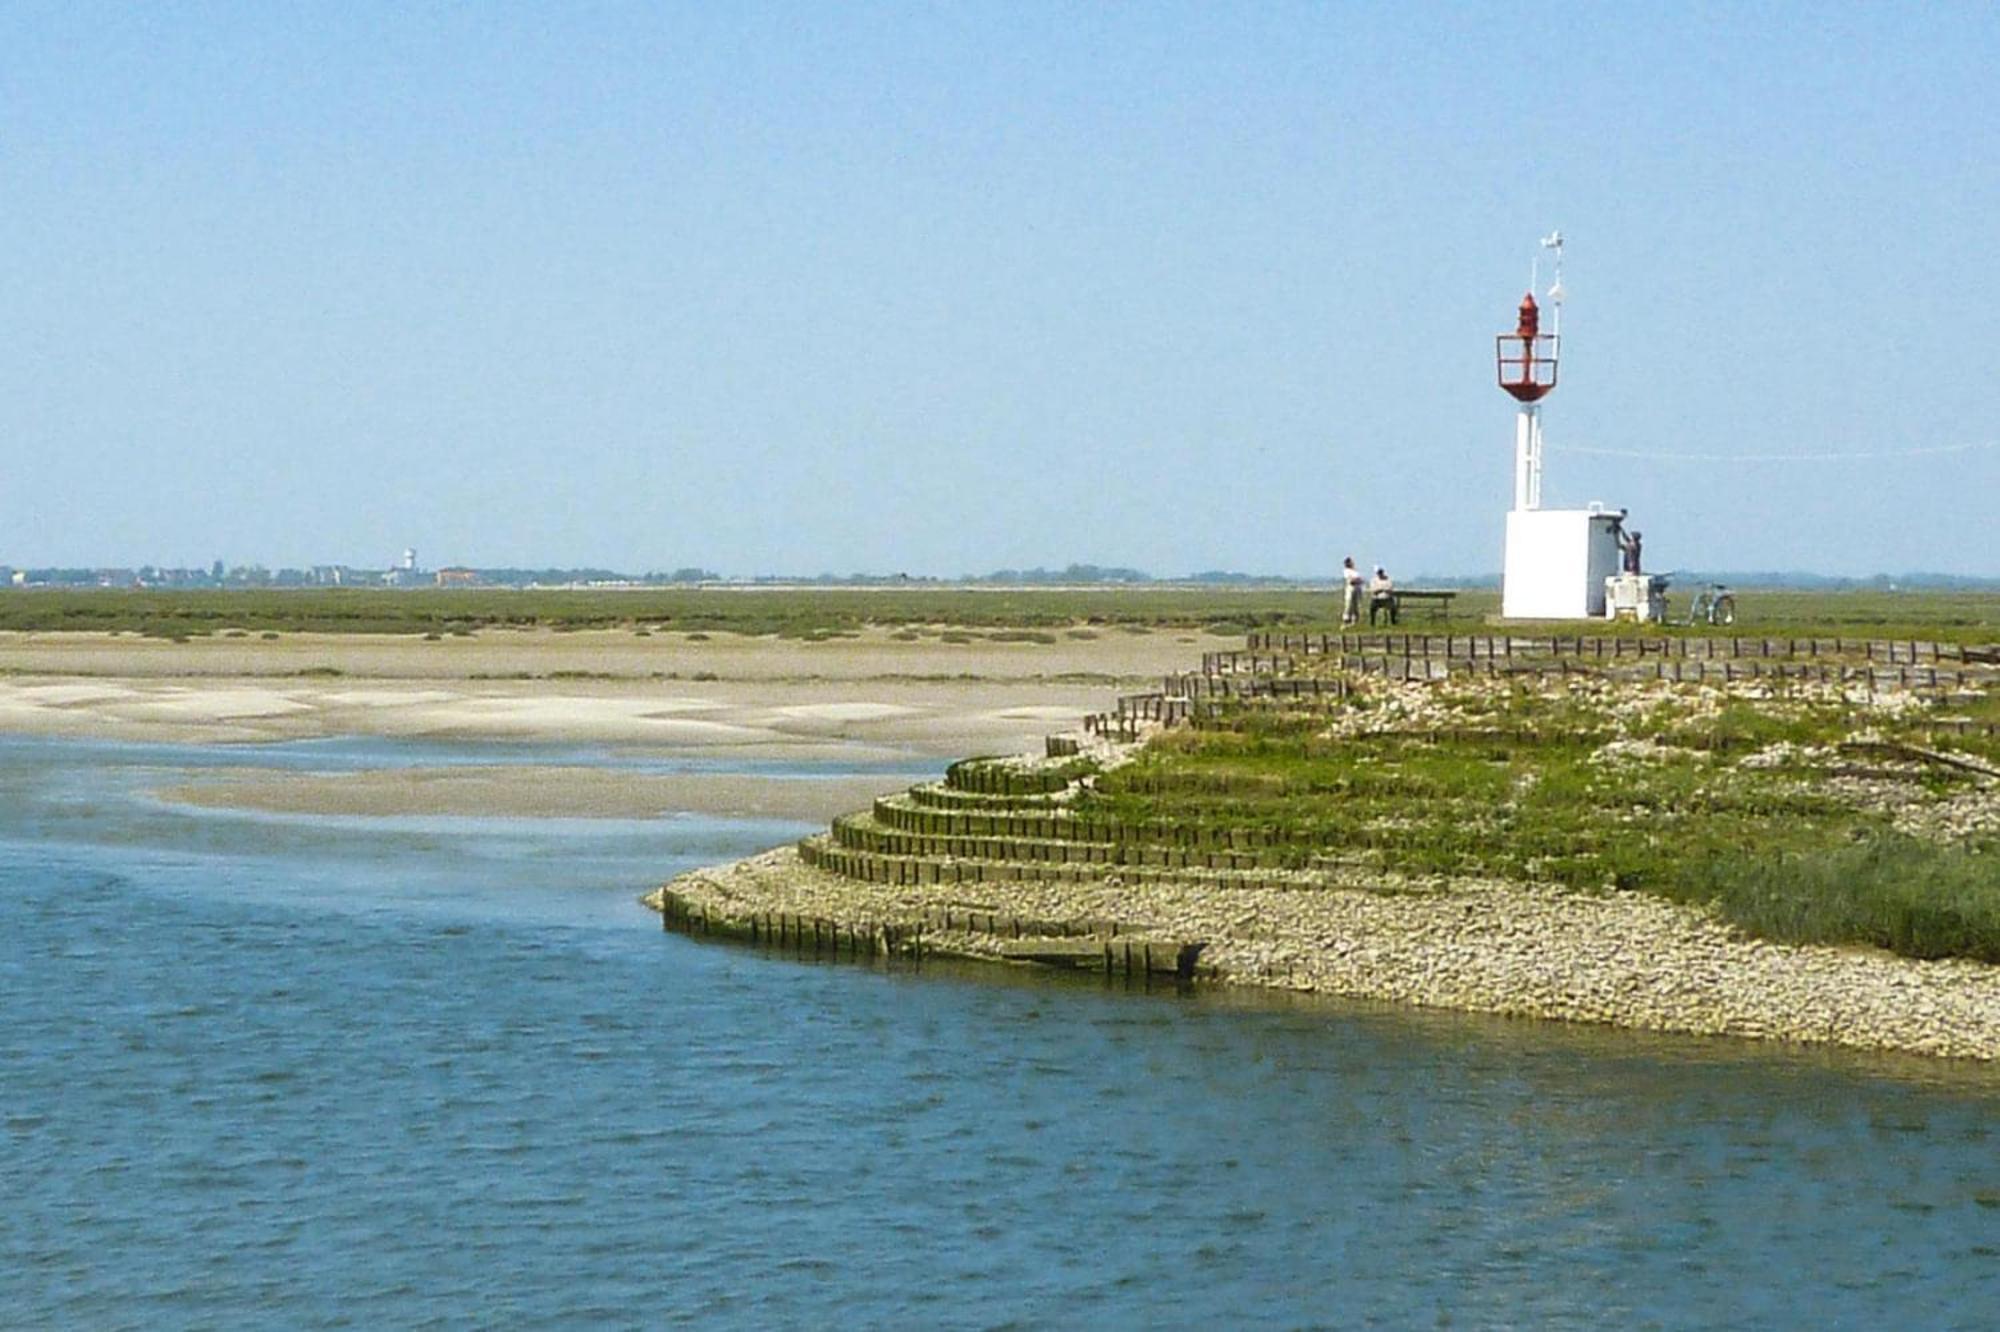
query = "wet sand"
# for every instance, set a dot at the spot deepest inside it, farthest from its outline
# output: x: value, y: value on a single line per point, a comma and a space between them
x: 501, y: 654
x: 865, y: 699
x: 670, y: 692
x: 544, y: 792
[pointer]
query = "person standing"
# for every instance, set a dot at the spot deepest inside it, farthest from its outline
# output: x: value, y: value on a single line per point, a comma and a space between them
x: 1629, y: 545
x: 1350, y: 607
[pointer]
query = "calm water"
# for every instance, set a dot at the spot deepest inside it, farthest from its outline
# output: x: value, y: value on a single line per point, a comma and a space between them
x: 343, y: 1072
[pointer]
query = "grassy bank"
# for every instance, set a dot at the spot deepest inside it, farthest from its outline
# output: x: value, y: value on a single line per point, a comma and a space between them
x: 1893, y: 891
x: 1803, y: 817
x: 791, y: 612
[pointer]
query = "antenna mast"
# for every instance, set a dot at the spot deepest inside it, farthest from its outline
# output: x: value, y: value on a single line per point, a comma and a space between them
x: 1554, y: 241
x: 1526, y: 362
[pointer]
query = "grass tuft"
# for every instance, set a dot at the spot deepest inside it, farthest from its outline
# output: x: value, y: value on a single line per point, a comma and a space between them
x: 1917, y: 898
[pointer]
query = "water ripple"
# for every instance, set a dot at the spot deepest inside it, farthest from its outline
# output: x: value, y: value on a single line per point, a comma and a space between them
x: 335, y: 1082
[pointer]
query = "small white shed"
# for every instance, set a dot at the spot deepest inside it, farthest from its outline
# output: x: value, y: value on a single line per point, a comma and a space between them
x: 1557, y: 561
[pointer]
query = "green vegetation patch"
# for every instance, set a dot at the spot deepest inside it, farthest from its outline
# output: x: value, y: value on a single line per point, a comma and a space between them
x: 1787, y: 813
x: 1950, y: 616
x: 1897, y: 892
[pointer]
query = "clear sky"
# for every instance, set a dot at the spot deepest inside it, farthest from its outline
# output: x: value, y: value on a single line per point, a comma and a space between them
x: 946, y: 288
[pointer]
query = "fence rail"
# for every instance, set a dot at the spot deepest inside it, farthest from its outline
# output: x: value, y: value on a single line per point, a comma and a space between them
x: 1600, y: 647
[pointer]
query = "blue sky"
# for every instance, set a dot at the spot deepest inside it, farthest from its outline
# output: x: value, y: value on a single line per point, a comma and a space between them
x: 947, y: 288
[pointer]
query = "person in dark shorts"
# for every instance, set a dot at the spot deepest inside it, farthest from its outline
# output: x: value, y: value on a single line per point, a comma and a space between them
x: 1381, y: 596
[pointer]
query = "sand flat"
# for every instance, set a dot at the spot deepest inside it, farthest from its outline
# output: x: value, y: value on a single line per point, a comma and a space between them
x: 847, y: 712
x: 868, y: 694
x: 575, y: 717
x: 541, y: 792
x: 385, y: 698
x: 67, y: 695
x: 224, y: 703
x: 502, y: 654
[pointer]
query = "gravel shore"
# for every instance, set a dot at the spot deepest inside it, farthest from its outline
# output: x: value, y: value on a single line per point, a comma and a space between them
x: 1618, y: 958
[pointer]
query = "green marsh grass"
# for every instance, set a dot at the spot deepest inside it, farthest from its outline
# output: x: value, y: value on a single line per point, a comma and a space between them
x: 1893, y: 891
x: 795, y: 611
x: 1528, y: 792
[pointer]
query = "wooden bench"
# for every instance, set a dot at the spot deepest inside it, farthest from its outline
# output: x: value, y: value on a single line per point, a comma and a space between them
x: 1439, y: 600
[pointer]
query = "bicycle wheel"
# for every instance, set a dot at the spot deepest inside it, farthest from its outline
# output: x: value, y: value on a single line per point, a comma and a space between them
x: 1724, y: 610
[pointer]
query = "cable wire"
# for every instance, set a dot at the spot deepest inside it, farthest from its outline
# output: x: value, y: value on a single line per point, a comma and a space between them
x: 1869, y: 456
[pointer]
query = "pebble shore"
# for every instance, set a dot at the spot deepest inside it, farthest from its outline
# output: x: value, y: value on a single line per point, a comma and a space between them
x: 1619, y: 958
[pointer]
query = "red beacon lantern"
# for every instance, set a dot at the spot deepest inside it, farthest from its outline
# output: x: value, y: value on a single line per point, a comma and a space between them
x: 1525, y: 360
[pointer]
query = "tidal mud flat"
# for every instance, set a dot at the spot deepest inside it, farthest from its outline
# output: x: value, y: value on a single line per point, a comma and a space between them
x: 615, y: 686
x: 872, y: 697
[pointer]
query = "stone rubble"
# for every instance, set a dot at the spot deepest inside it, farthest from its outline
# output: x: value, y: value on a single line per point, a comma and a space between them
x: 1619, y: 958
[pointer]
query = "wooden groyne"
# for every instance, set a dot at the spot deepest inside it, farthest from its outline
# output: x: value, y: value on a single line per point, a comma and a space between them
x: 885, y: 882
x: 1313, y: 671
x: 808, y: 936
x: 1873, y: 663
x: 1045, y: 861
x: 998, y: 821
x: 1890, y: 652
x: 1078, y: 945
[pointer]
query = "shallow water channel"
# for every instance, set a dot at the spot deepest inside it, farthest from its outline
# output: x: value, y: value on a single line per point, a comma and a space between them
x: 304, y: 1071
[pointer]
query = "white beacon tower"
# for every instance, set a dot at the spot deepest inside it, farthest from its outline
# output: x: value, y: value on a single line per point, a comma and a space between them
x: 1557, y: 559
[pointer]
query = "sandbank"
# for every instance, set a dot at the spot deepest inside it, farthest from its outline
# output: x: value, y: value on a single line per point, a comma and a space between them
x: 522, y: 791
x: 604, y: 653
x: 874, y: 693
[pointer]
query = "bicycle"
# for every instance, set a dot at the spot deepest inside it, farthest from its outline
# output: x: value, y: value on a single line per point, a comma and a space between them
x: 1714, y: 604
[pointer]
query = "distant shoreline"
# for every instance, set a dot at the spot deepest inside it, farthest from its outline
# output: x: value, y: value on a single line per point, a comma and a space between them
x: 952, y: 613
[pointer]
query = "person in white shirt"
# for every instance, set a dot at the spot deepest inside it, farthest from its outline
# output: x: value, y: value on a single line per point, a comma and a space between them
x: 1350, y: 607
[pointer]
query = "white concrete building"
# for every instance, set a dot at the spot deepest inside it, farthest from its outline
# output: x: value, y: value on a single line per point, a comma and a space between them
x: 1557, y: 559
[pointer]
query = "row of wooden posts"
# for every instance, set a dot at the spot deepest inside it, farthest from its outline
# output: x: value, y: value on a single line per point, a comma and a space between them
x: 1269, y: 678
x: 1105, y: 945
x: 1889, y: 652
x: 1162, y: 853
x: 822, y: 852
x: 1049, y: 825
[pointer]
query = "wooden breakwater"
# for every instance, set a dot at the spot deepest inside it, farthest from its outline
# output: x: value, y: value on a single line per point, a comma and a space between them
x: 1309, y: 671
x: 1078, y: 945
x: 1892, y: 652
x: 1876, y: 663
x: 998, y: 823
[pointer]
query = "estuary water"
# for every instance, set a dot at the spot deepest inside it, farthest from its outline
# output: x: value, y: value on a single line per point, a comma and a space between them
x: 293, y: 1071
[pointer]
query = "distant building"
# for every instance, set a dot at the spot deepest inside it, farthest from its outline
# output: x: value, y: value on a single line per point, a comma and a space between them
x: 456, y: 577
x: 405, y: 572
